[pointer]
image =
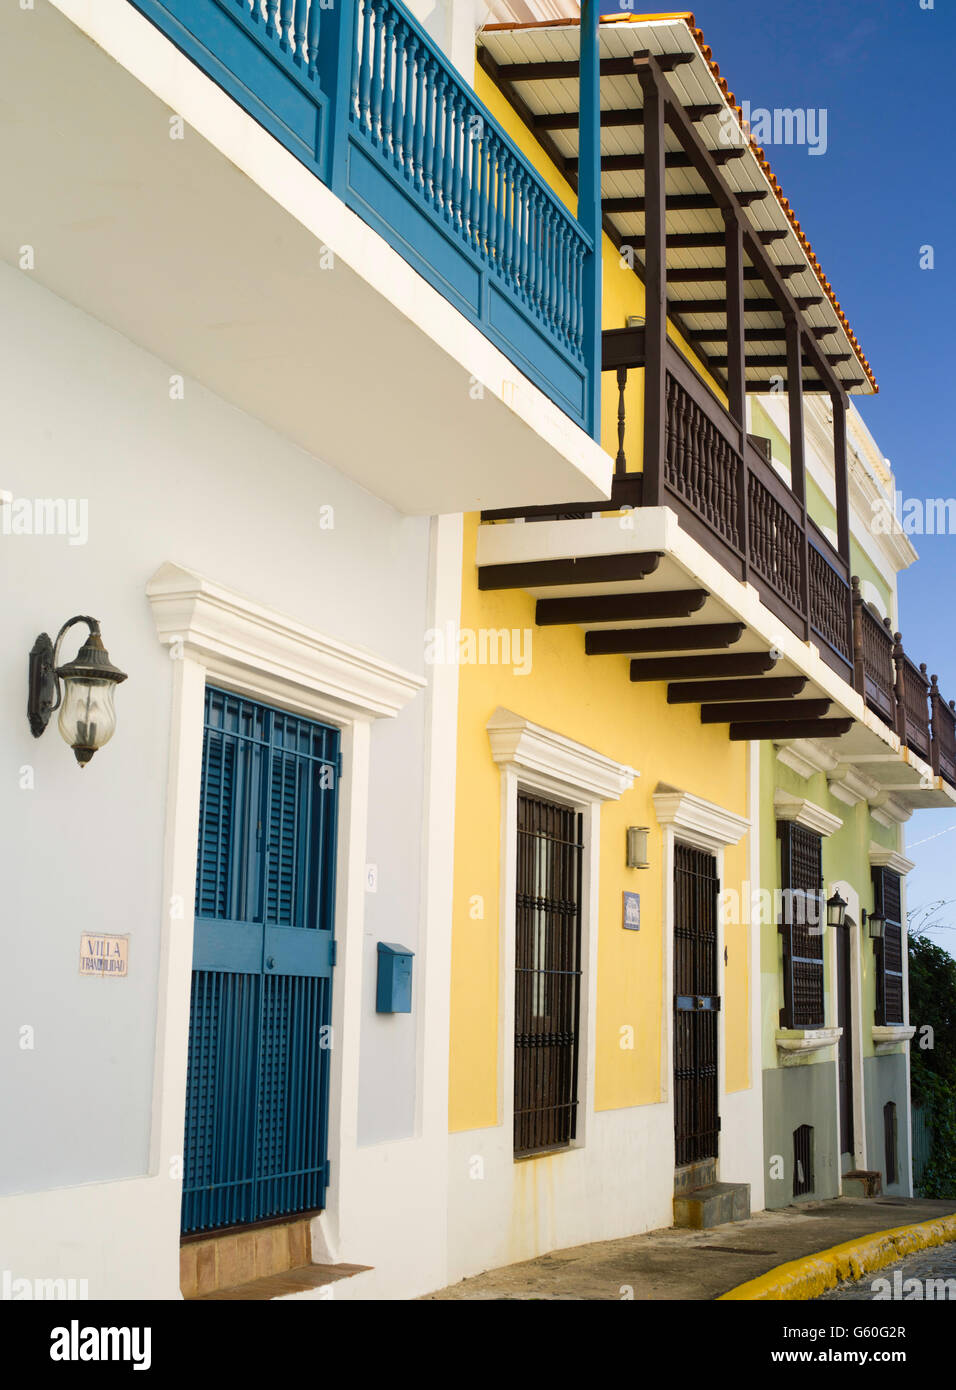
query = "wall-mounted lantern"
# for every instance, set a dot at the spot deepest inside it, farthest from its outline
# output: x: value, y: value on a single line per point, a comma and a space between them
x: 877, y: 925
x: 836, y: 910
x: 85, y: 701
x: 637, y: 846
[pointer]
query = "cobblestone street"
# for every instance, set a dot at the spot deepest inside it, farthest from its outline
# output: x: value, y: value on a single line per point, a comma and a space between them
x: 927, y: 1265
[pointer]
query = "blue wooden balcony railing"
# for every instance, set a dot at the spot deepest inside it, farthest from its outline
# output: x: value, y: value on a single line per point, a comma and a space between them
x: 361, y: 94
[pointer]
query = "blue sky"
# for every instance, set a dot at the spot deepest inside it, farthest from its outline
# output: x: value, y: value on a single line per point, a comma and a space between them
x: 882, y: 69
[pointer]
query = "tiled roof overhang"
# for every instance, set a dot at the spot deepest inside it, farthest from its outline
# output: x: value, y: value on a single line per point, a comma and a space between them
x: 696, y: 82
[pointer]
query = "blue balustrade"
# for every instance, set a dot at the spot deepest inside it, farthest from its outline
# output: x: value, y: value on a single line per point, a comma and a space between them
x: 360, y: 93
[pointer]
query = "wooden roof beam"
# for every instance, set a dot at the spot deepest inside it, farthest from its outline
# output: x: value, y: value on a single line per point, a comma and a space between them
x: 772, y: 711
x: 705, y: 273
x: 771, y: 688
x: 620, y: 608
x: 674, y: 159
x: 610, y: 67
x: 626, y: 116
x: 746, y: 732
x: 713, y: 667
x: 693, y: 637
x: 592, y: 569
x: 758, y: 335
x: 693, y: 241
x: 751, y: 306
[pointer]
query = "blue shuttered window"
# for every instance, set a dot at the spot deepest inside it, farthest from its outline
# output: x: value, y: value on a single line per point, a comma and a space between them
x: 257, y: 1085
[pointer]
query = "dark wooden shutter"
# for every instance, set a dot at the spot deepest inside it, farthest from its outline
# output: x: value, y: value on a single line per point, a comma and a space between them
x: 888, y: 898
x: 547, y: 975
x: 801, y: 926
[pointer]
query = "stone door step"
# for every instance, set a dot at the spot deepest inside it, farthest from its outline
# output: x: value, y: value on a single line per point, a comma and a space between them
x: 695, y: 1175
x: 284, y: 1285
x: 862, y: 1182
x: 713, y: 1205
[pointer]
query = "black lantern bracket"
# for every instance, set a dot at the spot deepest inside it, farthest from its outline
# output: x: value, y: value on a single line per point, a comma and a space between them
x: 45, y: 692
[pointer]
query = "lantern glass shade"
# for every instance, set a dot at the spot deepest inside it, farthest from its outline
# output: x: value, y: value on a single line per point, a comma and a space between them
x: 876, y: 923
x: 836, y: 911
x: 87, y: 714
x: 637, y: 846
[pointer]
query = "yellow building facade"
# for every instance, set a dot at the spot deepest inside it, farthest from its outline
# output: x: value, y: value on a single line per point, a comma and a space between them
x: 616, y: 1175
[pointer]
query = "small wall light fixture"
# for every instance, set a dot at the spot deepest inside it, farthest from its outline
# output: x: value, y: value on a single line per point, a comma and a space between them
x: 637, y: 846
x: 877, y: 925
x: 85, y: 701
x: 836, y: 910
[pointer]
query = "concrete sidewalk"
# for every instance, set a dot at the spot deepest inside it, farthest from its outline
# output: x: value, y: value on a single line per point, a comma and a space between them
x: 698, y: 1265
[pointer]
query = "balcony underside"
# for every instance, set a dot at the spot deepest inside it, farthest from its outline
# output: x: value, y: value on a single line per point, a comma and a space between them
x: 228, y: 259
x: 640, y: 586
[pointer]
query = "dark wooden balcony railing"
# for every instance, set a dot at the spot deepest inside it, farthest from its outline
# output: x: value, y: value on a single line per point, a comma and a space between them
x: 943, y: 734
x: 912, y: 702
x: 737, y: 503
x: 829, y: 595
x: 702, y: 464
x: 874, y: 644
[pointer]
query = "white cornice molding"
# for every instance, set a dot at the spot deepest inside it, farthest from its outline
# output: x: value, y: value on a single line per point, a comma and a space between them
x: 571, y: 767
x: 851, y: 786
x: 888, y: 812
x: 883, y: 858
x: 805, y: 757
x: 242, y: 640
x: 698, y: 822
x: 807, y: 813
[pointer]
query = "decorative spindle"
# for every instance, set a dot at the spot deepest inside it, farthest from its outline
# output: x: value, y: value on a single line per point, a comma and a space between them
x: 365, y: 73
x: 620, y: 463
x: 375, y: 117
x: 285, y: 26
x: 390, y: 81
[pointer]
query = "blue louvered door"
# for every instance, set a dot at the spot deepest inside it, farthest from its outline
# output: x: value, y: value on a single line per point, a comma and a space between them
x: 260, y: 1019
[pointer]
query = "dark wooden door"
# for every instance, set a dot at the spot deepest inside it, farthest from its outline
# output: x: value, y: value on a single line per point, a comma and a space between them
x: 696, y: 1005
x: 845, y: 1047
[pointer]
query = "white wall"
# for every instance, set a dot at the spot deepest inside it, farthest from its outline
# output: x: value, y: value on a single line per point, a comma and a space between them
x: 88, y: 416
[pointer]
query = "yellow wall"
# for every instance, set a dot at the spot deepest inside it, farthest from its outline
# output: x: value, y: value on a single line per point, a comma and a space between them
x: 591, y: 700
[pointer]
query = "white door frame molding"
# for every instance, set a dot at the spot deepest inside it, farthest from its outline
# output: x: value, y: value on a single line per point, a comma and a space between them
x: 215, y: 634
x: 691, y: 820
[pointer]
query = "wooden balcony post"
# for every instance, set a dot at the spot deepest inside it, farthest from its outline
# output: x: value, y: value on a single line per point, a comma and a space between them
x: 840, y: 474
x: 935, y: 704
x: 589, y: 204
x: 655, y: 280
x: 798, y: 466
x: 737, y: 368
x: 859, y: 665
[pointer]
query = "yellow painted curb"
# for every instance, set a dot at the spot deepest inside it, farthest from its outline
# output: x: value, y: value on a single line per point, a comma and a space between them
x: 814, y: 1274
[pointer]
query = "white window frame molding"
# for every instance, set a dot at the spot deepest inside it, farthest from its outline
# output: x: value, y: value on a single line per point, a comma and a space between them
x: 793, y: 1042
x: 217, y: 635
x: 888, y: 1037
x: 883, y: 858
x: 704, y: 825
x: 544, y: 763
x: 806, y: 813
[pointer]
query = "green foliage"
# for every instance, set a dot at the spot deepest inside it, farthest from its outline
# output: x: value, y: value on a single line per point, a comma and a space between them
x: 933, y: 1075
